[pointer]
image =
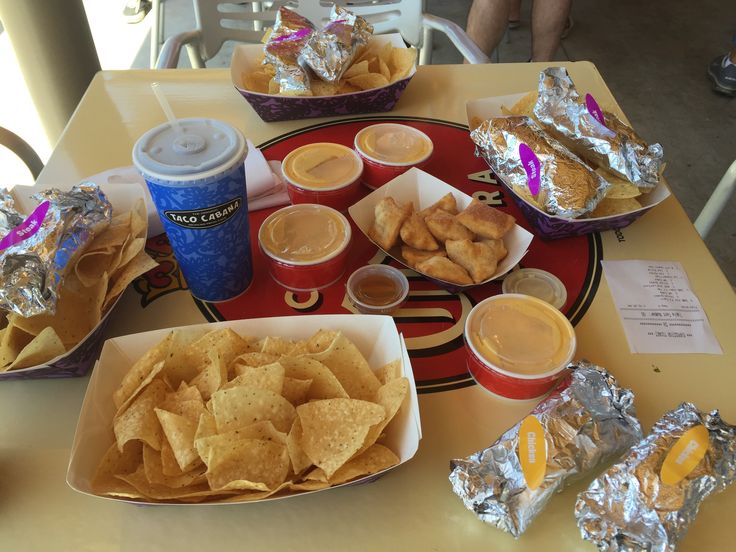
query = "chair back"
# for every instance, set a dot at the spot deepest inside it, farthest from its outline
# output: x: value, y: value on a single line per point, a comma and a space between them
x: 220, y: 21
x: 23, y: 150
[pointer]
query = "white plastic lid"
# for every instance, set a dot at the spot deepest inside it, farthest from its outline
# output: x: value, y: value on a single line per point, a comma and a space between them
x: 203, y: 148
x: 537, y: 283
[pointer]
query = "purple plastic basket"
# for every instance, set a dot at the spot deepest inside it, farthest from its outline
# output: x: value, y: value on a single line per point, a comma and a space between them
x: 551, y: 227
x: 75, y: 363
x: 288, y: 108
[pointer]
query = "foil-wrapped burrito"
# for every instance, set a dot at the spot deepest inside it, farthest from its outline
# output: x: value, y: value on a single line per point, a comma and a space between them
x: 648, y: 500
x: 598, y: 136
x: 539, y: 169
x: 587, y: 420
x: 283, y: 48
x: 330, y: 51
x: 36, y: 251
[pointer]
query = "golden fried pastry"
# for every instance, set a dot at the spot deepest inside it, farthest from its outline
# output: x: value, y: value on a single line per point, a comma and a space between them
x: 486, y: 221
x: 476, y: 257
x: 446, y: 203
x: 389, y: 218
x: 444, y: 269
x: 415, y: 256
x: 415, y: 233
x: 444, y: 227
x: 498, y: 248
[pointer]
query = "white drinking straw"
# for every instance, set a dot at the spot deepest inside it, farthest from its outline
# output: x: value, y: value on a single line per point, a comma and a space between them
x: 164, y: 103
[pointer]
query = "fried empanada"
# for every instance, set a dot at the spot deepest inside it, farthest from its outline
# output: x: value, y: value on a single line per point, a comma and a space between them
x: 414, y: 256
x: 389, y: 218
x: 446, y: 203
x: 486, y: 221
x: 444, y: 269
x: 498, y: 248
x: 476, y: 257
x: 415, y: 233
x: 444, y: 227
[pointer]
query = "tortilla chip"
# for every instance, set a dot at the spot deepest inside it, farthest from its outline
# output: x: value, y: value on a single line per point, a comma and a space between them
x: 44, y: 347
x: 334, y: 429
x: 350, y: 368
x: 612, y: 207
x: 139, y: 420
x: 179, y: 432
x: 241, y: 406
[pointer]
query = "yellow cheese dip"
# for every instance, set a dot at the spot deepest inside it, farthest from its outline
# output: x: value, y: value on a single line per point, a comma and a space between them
x: 322, y: 166
x: 394, y: 143
x: 304, y: 233
x: 523, y: 335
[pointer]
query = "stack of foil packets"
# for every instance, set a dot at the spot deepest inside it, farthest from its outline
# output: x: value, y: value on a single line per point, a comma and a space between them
x: 564, y: 155
x: 298, y: 51
x: 645, y: 502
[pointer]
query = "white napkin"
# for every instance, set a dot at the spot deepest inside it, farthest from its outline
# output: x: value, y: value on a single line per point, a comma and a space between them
x: 265, y: 186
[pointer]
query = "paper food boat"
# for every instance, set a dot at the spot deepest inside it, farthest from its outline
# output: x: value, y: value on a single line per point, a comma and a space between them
x: 376, y: 337
x: 247, y: 58
x: 423, y: 189
x: 78, y: 360
x: 551, y: 226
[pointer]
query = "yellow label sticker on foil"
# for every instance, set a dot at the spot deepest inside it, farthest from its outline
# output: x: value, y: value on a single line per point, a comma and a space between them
x: 685, y: 455
x: 532, y: 451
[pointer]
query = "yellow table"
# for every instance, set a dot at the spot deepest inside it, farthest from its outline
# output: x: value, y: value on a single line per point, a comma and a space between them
x: 413, y: 507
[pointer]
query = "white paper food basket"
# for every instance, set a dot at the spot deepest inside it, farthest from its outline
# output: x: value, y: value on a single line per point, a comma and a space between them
x: 376, y: 337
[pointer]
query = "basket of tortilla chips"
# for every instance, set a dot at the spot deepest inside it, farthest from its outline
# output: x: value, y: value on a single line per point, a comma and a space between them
x: 65, y: 340
x: 246, y: 410
x: 608, y: 202
x: 303, y: 72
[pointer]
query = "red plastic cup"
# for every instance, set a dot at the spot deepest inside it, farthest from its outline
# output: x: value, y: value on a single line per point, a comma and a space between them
x: 306, y: 246
x: 323, y: 173
x: 504, y: 380
x: 391, y: 149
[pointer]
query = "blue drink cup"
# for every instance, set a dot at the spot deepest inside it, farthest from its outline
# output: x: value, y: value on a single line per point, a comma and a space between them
x: 196, y: 176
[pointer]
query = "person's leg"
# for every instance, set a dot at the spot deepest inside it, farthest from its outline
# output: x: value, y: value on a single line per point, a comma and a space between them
x: 515, y: 14
x: 487, y: 21
x: 548, y: 21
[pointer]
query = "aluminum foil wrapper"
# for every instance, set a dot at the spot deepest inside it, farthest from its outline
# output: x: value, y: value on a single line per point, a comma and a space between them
x: 330, y: 52
x: 597, y: 136
x: 565, y: 185
x: 9, y: 217
x: 37, y: 252
x: 631, y: 507
x: 283, y: 48
x: 587, y: 420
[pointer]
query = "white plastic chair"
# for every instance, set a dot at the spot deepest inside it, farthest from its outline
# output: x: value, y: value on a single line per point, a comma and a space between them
x: 717, y: 202
x: 218, y: 22
x: 23, y: 150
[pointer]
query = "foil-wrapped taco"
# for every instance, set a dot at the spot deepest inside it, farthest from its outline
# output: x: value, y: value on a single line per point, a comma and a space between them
x: 539, y: 169
x: 598, y: 136
x: 331, y: 50
x: 648, y: 500
x: 36, y: 251
x: 283, y: 49
x: 587, y: 420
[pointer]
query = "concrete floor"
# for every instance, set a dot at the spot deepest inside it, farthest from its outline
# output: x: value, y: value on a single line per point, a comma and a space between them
x: 653, y: 55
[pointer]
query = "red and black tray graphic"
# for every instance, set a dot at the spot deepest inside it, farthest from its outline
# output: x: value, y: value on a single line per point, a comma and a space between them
x: 432, y: 320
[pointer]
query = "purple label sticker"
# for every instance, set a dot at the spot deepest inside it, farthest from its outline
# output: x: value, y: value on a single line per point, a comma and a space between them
x: 531, y: 165
x: 26, y: 228
x: 594, y: 109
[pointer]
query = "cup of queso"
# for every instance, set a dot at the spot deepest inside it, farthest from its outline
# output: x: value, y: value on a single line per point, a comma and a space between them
x: 391, y: 149
x: 517, y: 346
x: 324, y: 173
x: 306, y: 246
